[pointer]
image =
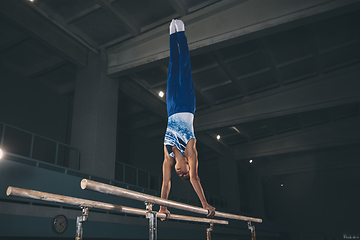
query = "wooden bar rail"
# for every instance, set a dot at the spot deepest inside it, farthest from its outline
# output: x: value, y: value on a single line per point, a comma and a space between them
x: 50, y: 197
x: 121, y: 192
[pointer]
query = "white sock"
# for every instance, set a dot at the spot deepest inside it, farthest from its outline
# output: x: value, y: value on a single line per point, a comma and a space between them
x: 180, y: 27
x: 172, y: 27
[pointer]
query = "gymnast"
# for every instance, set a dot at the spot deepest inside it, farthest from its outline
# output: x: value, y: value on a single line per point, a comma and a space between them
x: 180, y: 142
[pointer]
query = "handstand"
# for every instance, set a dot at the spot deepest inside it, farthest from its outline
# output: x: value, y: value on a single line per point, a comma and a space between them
x: 180, y: 143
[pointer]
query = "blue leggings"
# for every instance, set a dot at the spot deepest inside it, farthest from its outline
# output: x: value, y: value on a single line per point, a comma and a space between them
x: 180, y: 95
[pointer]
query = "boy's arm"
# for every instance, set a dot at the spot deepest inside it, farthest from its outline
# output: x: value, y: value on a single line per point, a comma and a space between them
x: 195, y: 181
x: 166, y: 183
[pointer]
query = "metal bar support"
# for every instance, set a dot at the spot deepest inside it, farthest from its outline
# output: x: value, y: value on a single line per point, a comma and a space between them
x: 208, y: 231
x: 152, y: 220
x: 252, y: 228
x: 79, y: 222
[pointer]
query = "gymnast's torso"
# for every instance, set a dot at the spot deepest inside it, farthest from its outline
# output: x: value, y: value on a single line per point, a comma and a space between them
x: 179, y: 131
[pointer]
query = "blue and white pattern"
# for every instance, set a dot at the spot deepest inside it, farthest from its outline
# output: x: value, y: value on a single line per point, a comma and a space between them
x: 179, y: 131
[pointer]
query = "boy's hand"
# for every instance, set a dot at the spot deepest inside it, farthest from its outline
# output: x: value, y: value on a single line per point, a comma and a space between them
x: 164, y: 210
x: 211, y: 210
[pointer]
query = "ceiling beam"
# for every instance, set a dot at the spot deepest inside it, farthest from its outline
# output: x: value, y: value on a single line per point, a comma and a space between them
x: 179, y: 6
x: 240, y: 130
x: 315, y: 48
x: 11, y: 65
x: 270, y: 60
x: 211, y: 143
x: 353, y: 43
x: 340, y: 133
x: 74, y: 32
x: 82, y: 13
x: 296, y: 60
x: 139, y: 80
x: 203, y: 96
x: 44, y: 31
x: 121, y: 17
x: 214, y: 136
x: 143, y: 97
x: 117, y: 40
x: 327, y: 90
x: 7, y: 43
x: 222, y: 24
x: 45, y: 67
x: 345, y: 157
x: 203, y: 69
x: 252, y: 74
x: 159, y: 23
x: 270, y: 124
x: 218, y: 58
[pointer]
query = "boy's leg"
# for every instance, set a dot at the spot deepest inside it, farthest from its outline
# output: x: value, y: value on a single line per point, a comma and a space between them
x: 185, y: 66
x: 173, y: 69
x: 187, y: 87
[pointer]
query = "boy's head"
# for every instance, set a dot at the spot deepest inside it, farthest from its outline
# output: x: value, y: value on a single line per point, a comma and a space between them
x: 182, y: 168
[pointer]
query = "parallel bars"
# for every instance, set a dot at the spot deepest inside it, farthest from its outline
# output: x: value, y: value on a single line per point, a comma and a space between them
x: 85, y: 205
x: 121, y: 192
x: 50, y: 197
x: 149, y: 200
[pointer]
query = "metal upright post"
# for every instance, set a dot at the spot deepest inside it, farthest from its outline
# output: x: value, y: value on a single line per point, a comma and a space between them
x: 208, y: 231
x: 152, y: 221
x: 252, y: 228
x: 79, y: 222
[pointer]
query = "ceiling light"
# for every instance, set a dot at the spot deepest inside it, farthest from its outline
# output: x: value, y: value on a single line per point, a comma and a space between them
x: 218, y: 137
x: 250, y: 161
x: 0, y: 153
x: 282, y: 185
x: 161, y: 93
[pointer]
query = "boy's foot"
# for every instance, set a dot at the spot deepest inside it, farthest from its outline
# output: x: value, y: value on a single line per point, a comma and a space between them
x: 180, y: 27
x: 172, y: 27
